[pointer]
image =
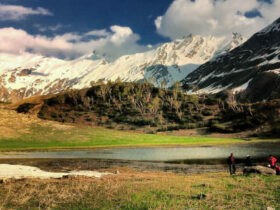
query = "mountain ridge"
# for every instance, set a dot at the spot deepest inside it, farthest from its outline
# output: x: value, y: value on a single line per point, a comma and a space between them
x: 28, y: 75
x: 240, y: 69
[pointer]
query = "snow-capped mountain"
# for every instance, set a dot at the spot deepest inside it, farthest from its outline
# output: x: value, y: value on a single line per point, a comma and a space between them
x: 27, y: 75
x: 254, y: 66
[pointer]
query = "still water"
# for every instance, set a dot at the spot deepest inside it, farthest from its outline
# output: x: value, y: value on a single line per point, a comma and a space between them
x: 256, y: 150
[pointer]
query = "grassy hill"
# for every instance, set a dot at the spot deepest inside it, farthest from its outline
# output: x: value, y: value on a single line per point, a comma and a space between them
x: 27, y: 131
x: 143, y: 107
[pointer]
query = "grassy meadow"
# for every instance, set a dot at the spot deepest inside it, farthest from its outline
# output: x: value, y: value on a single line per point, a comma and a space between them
x: 144, y: 190
x: 20, y: 132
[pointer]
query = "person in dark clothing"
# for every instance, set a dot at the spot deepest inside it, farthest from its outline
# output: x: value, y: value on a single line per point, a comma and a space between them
x: 277, y: 168
x: 248, y: 161
x: 231, y: 164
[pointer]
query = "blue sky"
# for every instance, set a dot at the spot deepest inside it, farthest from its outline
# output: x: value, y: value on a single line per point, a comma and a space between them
x: 86, y: 15
x: 72, y: 28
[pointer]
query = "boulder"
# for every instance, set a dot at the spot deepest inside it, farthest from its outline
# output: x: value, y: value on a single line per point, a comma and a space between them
x: 259, y: 170
x: 24, y: 72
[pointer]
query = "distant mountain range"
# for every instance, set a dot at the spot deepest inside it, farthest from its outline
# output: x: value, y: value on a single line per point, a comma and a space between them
x: 251, y: 71
x: 28, y: 75
x: 205, y: 65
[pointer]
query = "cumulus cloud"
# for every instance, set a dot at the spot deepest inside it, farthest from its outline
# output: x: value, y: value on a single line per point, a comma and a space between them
x: 17, y: 12
x: 215, y: 17
x: 111, y: 43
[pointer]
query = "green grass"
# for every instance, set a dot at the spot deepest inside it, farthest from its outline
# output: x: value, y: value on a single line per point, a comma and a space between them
x: 137, y: 190
x: 47, y: 137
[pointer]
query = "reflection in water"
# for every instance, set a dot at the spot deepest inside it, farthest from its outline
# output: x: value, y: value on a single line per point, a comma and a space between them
x: 257, y: 150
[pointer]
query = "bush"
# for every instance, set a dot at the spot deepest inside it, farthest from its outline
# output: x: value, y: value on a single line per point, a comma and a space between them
x: 276, y: 130
x: 198, y: 117
x: 141, y: 122
x: 24, y: 108
x: 150, y: 132
x: 243, y: 125
x: 171, y: 128
x: 210, y: 101
x: 162, y: 129
x: 53, y: 115
x: 110, y: 127
x: 221, y: 128
x: 191, y: 125
x: 206, y: 113
x: 212, y: 122
x: 78, y: 114
x: 88, y: 119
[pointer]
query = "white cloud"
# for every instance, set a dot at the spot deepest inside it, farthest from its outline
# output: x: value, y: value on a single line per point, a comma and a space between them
x: 98, y: 33
x: 17, y: 12
x: 42, y: 28
x: 114, y: 43
x: 158, y: 22
x: 215, y: 17
x: 121, y: 34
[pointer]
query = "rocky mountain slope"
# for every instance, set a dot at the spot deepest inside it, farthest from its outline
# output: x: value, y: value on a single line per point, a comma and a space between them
x: 251, y: 69
x: 27, y: 75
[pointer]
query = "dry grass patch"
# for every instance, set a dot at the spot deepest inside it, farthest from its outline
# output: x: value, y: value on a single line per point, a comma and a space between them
x: 150, y: 190
x: 13, y: 124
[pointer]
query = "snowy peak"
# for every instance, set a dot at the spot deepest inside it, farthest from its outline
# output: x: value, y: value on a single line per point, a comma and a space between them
x: 196, y: 49
x: 255, y: 61
x: 229, y: 44
x: 27, y: 75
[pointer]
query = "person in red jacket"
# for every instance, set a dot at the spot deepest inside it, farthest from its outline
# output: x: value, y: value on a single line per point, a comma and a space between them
x: 231, y: 164
x: 271, y: 161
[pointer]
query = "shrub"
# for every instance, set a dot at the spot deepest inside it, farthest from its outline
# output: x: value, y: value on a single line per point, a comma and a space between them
x: 53, y: 115
x: 162, y: 129
x: 88, y: 119
x: 150, y: 132
x: 221, y: 128
x: 206, y: 113
x: 191, y: 125
x: 24, y: 108
x: 110, y: 127
x: 276, y: 130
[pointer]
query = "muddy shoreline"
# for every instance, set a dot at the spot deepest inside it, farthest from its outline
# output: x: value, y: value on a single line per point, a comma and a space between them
x: 65, y: 165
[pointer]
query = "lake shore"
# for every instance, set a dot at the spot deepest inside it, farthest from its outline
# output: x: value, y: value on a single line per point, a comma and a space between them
x: 107, y: 165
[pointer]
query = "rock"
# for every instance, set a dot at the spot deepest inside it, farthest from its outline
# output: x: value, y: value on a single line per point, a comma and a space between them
x: 25, y: 72
x: 65, y: 177
x: 259, y: 170
x: 199, y: 197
